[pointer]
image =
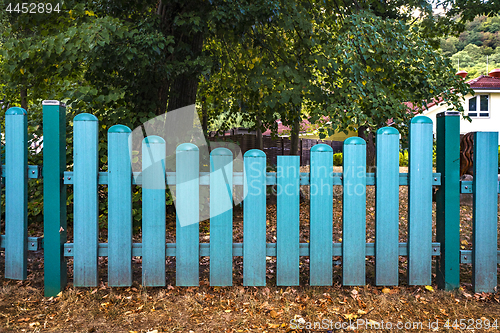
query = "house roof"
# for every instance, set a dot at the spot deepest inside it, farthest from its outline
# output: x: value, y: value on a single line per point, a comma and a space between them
x: 482, y: 82
x: 485, y: 82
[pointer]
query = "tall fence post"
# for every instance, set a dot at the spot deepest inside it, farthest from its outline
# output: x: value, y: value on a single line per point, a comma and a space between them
x: 448, y: 200
x: 54, y: 196
x: 16, y: 194
x: 420, y: 202
x: 485, y: 205
x: 86, y: 204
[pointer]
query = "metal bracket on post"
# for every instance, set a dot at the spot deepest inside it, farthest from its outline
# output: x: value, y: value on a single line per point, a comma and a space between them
x: 448, y: 199
x: 54, y: 193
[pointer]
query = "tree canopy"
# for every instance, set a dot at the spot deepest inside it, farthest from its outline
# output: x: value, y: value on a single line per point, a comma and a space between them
x: 347, y: 64
x: 344, y: 64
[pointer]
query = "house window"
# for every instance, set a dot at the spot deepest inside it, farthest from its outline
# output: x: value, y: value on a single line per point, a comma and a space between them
x: 479, y: 106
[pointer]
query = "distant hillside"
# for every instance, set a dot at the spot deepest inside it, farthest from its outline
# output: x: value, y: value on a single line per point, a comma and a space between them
x: 477, y: 45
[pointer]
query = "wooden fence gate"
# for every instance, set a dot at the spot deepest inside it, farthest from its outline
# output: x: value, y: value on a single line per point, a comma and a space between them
x: 320, y: 248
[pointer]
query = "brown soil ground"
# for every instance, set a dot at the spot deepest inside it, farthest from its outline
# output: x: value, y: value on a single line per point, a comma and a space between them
x: 23, y: 308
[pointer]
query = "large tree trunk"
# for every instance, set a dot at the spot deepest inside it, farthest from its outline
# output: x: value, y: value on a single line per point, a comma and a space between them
x: 181, y: 90
x: 368, y: 136
x: 294, y: 136
x: 259, y: 141
x: 24, y: 98
x: 204, y: 114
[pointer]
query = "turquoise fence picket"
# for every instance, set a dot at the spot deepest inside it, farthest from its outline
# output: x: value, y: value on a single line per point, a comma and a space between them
x: 420, y: 201
x: 387, y: 207
x: 153, y: 211
x: 254, y: 219
x: 16, y: 194
x: 221, y: 217
x: 321, y: 216
x: 86, y: 204
x: 119, y: 207
x: 188, y: 215
x: 354, y: 212
x: 485, y: 212
x: 287, y: 229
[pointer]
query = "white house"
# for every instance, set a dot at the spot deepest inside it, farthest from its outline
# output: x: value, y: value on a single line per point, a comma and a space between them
x: 483, y: 107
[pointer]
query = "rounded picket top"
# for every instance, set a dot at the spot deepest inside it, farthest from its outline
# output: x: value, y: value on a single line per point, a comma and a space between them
x: 421, y: 120
x: 85, y: 117
x: 187, y: 147
x: 221, y: 151
x: 321, y: 147
x: 15, y: 111
x: 388, y: 130
x: 355, y: 140
x: 119, y: 129
x: 153, y: 139
x: 255, y: 153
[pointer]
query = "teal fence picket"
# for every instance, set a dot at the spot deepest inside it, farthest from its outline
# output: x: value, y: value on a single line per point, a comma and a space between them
x: 420, y: 201
x: 485, y: 210
x: 354, y: 212
x: 321, y: 216
x: 287, y: 229
x: 254, y: 219
x: 387, y: 208
x: 221, y: 217
x: 16, y: 194
x: 86, y: 205
x: 119, y: 207
x: 153, y: 211
x: 188, y: 215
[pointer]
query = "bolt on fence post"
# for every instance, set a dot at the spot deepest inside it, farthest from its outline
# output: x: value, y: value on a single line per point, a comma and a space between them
x: 54, y: 194
x: 448, y: 200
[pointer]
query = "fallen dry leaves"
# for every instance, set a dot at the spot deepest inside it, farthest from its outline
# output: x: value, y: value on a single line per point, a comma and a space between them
x: 238, y: 308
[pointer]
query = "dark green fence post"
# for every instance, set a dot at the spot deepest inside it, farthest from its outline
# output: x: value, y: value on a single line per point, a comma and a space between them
x: 54, y: 195
x: 448, y: 200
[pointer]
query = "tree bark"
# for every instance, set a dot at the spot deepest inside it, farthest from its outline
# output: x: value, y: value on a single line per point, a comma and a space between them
x: 294, y: 135
x: 368, y: 136
x: 259, y: 141
x: 24, y: 98
x: 181, y: 90
x: 204, y: 112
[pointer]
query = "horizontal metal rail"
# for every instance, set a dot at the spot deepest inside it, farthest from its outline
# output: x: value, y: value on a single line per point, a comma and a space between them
x: 136, y: 178
x: 170, y: 249
x: 34, y: 171
x: 36, y: 243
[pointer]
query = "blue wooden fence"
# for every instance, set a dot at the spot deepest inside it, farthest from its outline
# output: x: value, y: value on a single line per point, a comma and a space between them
x: 320, y: 248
